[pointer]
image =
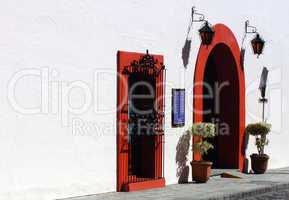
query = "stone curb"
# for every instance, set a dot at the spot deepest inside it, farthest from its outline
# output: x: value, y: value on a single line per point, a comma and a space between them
x: 250, y: 193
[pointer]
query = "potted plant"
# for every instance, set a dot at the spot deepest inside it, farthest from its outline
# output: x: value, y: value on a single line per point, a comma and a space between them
x: 259, y: 162
x: 201, y: 170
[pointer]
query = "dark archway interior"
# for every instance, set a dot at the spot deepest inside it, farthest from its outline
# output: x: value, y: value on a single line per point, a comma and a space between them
x: 221, y: 106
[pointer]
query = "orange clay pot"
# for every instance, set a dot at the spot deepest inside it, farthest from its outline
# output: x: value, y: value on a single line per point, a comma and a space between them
x: 201, y: 171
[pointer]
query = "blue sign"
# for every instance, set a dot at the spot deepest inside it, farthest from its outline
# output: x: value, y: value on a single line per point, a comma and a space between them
x: 178, y: 107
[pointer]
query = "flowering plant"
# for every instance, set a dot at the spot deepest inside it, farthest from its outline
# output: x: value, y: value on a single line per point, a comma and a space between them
x: 203, y: 130
x: 259, y: 130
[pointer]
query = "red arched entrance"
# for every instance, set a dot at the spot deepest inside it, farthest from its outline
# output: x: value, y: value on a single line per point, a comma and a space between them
x: 219, y: 96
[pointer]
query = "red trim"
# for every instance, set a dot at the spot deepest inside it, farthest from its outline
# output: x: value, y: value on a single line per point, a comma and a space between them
x: 124, y: 59
x: 223, y: 35
x: 145, y: 185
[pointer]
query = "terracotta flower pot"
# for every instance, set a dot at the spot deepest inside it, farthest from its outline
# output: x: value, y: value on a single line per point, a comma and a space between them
x: 201, y: 171
x: 259, y: 163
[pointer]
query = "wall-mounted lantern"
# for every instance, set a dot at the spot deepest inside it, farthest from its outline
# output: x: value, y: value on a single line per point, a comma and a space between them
x: 206, y: 32
x: 257, y: 43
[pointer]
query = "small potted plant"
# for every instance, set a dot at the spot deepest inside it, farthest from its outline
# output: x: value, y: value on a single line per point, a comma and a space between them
x: 201, y: 170
x: 259, y: 162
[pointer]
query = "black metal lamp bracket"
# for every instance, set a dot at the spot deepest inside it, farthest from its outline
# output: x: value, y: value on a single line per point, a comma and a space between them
x: 248, y: 30
x: 196, y: 17
x: 200, y: 17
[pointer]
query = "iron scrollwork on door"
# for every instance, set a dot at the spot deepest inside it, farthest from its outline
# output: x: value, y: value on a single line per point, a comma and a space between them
x: 151, y: 121
x: 147, y: 65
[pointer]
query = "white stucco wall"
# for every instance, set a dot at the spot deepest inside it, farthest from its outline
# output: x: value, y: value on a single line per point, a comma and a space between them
x: 64, y: 41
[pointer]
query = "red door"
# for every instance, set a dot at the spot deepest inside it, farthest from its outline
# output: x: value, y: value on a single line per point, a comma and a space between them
x: 140, y: 106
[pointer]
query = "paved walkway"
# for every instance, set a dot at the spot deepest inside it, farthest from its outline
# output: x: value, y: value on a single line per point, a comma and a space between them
x: 281, y: 194
x: 251, y: 187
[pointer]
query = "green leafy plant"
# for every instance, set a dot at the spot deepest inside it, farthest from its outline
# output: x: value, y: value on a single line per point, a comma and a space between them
x: 259, y: 131
x: 203, y: 130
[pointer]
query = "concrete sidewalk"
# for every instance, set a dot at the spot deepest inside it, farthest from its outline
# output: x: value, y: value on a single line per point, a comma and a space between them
x: 217, y: 188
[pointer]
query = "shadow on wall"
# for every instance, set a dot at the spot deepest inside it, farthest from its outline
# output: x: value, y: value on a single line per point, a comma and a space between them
x: 242, y: 57
x: 186, y: 52
x: 182, y: 151
x: 244, y: 149
x: 187, y: 46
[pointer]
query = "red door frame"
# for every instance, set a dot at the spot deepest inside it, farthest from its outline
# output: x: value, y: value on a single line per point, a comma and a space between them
x: 223, y: 35
x: 124, y: 59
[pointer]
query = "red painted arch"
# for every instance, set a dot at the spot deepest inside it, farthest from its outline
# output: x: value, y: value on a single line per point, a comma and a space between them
x: 224, y: 36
